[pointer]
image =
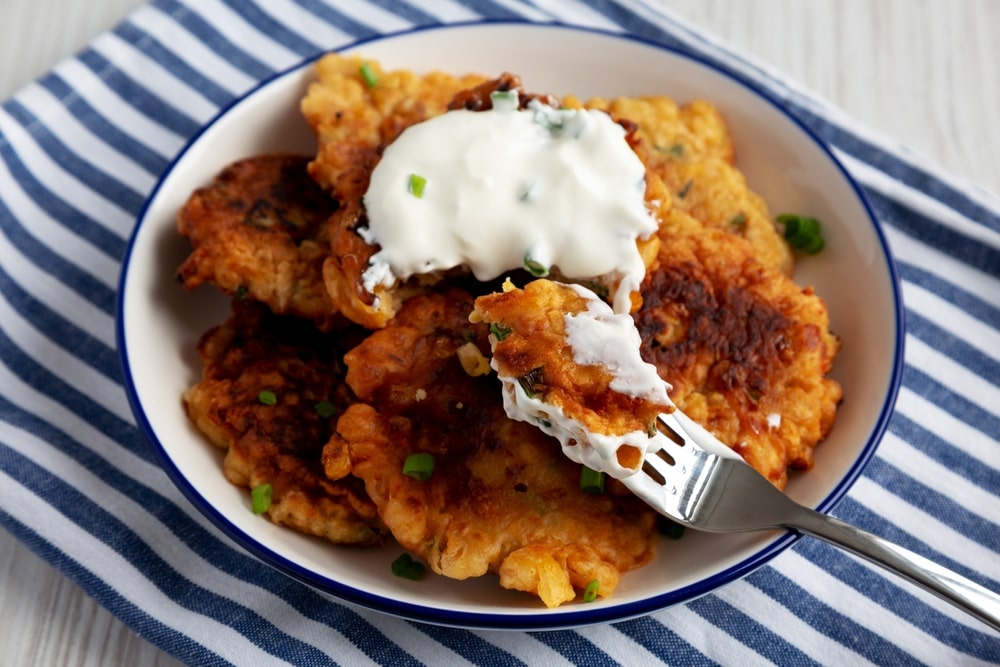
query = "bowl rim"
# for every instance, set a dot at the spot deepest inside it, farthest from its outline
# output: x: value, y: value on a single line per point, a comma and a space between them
x: 557, y: 619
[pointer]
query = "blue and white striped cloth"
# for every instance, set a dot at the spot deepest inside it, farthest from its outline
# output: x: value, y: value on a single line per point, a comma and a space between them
x: 82, y: 147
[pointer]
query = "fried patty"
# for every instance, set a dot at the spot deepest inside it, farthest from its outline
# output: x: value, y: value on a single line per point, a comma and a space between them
x: 281, y: 444
x: 502, y: 497
x: 259, y: 230
x: 353, y: 122
x: 531, y: 342
x: 745, y: 349
x: 689, y: 148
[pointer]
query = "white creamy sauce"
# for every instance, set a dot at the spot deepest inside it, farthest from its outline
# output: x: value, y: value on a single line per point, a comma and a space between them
x: 598, y: 337
x: 601, y: 337
x: 505, y: 187
x: 594, y: 450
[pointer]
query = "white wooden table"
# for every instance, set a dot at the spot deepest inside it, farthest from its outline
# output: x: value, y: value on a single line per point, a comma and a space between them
x: 925, y: 73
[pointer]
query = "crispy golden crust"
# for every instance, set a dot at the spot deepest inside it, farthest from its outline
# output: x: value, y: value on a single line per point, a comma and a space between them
x: 352, y: 120
x: 260, y: 230
x: 689, y: 148
x: 502, y: 498
x: 534, y: 348
x: 280, y: 444
x: 746, y: 350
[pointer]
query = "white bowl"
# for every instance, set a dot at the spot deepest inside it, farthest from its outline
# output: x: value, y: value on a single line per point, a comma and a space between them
x: 159, y: 323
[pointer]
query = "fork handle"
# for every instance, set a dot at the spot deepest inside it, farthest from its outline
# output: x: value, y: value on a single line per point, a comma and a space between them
x: 950, y: 586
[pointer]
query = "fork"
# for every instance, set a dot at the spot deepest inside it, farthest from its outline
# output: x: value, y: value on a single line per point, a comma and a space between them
x: 692, y: 478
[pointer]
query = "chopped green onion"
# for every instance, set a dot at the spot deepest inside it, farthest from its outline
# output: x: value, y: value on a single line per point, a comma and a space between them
x: 590, y: 592
x: 325, y: 409
x: 598, y: 289
x: 368, y: 74
x: 499, y: 331
x: 419, y: 466
x: 531, y: 382
x: 682, y: 193
x: 803, y: 233
x: 416, y: 185
x: 738, y: 222
x: 544, y: 423
x: 676, y: 150
x: 536, y: 269
x: 506, y: 100
x: 267, y: 397
x: 671, y: 529
x: 550, y: 120
x: 591, y: 481
x: 528, y: 190
x: 407, y: 568
x: 241, y: 292
x: 260, y: 498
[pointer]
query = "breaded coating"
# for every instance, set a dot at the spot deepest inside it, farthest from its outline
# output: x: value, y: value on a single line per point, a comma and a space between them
x: 259, y: 230
x: 689, y: 148
x: 746, y: 349
x: 502, y: 497
x: 353, y: 120
x: 281, y: 444
x: 573, y: 390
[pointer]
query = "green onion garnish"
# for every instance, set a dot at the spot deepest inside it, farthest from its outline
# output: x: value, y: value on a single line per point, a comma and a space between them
x: 536, y: 269
x: 676, y: 150
x: 368, y: 74
x: 682, y: 193
x: 407, y: 568
x: 241, y: 292
x: 671, y: 529
x: 531, y: 382
x: 260, y: 498
x: 267, y: 397
x: 803, y: 233
x: 590, y: 592
x: 325, y: 409
x: 416, y: 185
x: 591, y: 481
x: 598, y: 289
x: 419, y: 466
x: 507, y: 99
x: 499, y: 331
x: 738, y: 222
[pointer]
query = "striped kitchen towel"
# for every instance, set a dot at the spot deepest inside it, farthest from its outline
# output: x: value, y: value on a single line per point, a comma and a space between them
x: 80, y: 150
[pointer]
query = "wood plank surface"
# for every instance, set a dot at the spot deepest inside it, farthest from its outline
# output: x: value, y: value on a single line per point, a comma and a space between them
x: 924, y: 72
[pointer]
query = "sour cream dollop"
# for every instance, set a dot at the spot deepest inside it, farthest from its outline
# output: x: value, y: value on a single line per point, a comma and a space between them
x: 509, y: 188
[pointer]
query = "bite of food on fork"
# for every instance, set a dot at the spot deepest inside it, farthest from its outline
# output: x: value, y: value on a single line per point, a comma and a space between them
x: 572, y: 367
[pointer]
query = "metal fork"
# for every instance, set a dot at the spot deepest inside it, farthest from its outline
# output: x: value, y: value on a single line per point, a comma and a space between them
x: 692, y: 478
